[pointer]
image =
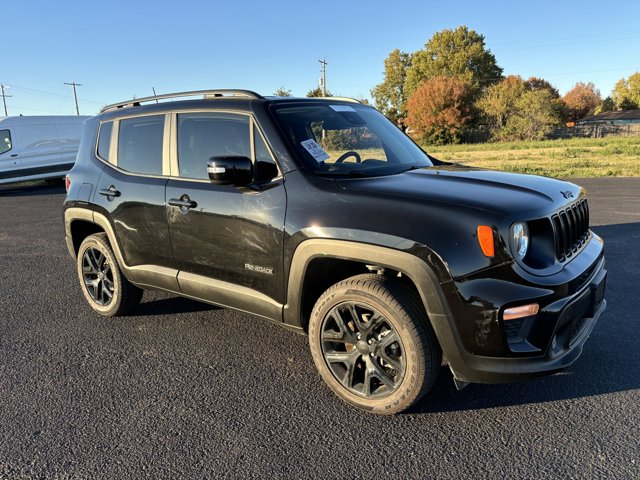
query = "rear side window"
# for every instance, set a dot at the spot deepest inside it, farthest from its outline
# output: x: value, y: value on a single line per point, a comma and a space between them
x: 140, y: 144
x: 5, y: 141
x: 205, y: 135
x: 104, y: 140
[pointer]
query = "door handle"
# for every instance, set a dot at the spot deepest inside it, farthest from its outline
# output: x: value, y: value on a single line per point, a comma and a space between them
x: 14, y: 155
x: 109, y: 192
x: 184, y: 202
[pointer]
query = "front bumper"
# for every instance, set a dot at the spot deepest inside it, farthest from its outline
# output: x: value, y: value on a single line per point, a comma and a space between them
x: 553, y: 342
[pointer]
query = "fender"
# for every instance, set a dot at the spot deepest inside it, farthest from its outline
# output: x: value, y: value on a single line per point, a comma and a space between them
x: 414, y: 268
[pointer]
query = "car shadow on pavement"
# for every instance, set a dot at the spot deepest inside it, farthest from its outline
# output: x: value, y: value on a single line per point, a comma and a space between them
x: 32, y: 190
x: 609, y: 362
x: 171, y: 305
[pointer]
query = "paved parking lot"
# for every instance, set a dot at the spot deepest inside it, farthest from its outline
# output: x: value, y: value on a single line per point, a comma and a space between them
x: 186, y: 390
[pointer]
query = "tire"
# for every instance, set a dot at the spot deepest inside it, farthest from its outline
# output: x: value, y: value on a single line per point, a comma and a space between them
x: 373, y: 345
x: 104, y: 286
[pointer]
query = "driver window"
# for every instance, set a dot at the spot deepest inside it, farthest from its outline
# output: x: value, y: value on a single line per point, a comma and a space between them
x: 5, y: 141
x: 349, y: 145
x: 205, y: 135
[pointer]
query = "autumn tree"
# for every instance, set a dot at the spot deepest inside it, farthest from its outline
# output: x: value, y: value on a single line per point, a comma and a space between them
x: 439, y: 110
x: 388, y: 96
x: 282, y: 92
x: 626, y: 93
x: 459, y: 53
x: 581, y: 100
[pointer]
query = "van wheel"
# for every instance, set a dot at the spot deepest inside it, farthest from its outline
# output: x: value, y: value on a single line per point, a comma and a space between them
x: 372, y: 344
x: 104, y: 286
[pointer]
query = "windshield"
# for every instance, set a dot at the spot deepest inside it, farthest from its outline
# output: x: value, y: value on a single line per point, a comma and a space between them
x: 348, y: 140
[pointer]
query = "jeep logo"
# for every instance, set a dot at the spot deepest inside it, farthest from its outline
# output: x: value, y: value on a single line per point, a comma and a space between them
x: 567, y: 194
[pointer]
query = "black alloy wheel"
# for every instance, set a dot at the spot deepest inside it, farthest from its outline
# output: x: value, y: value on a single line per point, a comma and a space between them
x: 363, y: 350
x: 98, y: 276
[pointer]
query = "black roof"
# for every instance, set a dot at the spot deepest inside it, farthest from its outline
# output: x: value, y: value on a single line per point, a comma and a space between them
x: 615, y: 115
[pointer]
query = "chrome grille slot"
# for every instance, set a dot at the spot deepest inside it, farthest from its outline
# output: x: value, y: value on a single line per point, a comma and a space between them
x: 571, y: 229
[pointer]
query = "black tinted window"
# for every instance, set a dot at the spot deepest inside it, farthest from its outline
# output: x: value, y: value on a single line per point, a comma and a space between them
x: 140, y: 144
x: 5, y: 141
x: 205, y: 135
x: 104, y: 140
x: 265, y: 167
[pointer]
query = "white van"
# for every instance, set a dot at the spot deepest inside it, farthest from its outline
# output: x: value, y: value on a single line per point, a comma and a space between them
x: 37, y: 148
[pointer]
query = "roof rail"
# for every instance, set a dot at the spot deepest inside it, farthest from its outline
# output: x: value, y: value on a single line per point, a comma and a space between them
x: 205, y: 94
x: 342, y: 99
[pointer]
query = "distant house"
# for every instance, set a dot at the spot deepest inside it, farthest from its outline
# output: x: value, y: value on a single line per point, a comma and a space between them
x: 618, y: 117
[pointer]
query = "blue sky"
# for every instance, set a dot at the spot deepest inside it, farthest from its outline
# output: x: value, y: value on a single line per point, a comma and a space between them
x: 120, y: 49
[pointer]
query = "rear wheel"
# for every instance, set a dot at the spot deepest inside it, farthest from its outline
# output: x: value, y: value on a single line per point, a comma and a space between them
x: 104, y: 286
x: 372, y: 344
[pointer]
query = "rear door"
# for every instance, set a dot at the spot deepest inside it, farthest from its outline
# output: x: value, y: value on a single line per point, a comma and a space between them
x: 9, y: 155
x: 231, y: 240
x: 131, y: 190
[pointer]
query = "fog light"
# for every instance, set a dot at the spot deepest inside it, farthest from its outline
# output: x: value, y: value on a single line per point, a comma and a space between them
x: 519, y: 312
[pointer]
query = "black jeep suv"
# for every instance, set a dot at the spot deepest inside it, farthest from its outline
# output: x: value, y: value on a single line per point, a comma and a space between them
x: 322, y: 216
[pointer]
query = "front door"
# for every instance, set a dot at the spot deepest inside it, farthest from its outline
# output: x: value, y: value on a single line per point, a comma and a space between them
x: 9, y: 156
x: 229, y: 244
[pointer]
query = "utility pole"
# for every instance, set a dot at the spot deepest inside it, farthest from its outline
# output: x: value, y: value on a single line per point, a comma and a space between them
x: 75, y: 95
x: 323, y: 62
x: 4, y: 99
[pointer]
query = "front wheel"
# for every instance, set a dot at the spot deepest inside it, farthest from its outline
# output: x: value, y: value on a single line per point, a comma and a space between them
x: 104, y: 286
x: 372, y: 344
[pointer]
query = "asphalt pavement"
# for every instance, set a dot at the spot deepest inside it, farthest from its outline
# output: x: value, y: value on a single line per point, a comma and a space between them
x: 186, y: 390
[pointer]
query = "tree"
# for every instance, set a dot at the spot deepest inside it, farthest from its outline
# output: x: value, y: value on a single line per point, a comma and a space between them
x: 282, y: 92
x: 317, y: 92
x: 626, y: 93
x: 499, y: 101
x: 516, y: 109
x: 388, y: 96
x: 606, y: 105
x: 535, y: 115
x: 535, y: 83
x: 581, y: 100
x: 439, y: 110
x: 459, y: 53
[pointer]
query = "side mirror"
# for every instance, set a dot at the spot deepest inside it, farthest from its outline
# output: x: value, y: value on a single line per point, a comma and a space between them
x: 232, y: 170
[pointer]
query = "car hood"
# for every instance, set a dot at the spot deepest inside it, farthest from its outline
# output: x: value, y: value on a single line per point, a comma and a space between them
x: 508, y: 194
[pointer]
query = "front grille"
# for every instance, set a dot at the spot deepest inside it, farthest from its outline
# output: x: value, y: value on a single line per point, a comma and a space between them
x: 571, y: 229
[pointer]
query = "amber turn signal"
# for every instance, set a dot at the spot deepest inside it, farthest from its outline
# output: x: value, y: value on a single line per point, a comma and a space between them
x: 519, y: 312
x: 485, y: 239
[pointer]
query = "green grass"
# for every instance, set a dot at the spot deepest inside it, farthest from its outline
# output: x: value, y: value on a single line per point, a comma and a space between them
x: 575, y: 157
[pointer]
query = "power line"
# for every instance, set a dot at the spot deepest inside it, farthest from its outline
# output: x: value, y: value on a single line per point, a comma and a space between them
x: 75, y: 95
x: 4, y: 99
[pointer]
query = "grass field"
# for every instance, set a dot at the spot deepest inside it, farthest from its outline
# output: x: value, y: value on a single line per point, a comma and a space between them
x: 576, y: 157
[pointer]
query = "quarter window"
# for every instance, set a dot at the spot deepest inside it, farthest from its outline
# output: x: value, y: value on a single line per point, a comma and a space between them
x: 205, y: 135
x: 5, y: 141
x: 104, y: 140
x: 140, y: 144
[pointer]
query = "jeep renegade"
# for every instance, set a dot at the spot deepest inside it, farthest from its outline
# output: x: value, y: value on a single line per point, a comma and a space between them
x: 324, y: 217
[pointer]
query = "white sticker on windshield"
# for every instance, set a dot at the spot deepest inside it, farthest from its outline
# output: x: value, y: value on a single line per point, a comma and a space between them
x: 315, y: 150
x: 342, y: 108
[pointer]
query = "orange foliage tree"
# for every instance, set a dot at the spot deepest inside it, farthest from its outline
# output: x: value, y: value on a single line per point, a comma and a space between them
x: 581, y: 100
x: 439, y: 110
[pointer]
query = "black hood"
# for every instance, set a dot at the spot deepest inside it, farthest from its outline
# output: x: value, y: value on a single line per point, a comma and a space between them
x: 506, y: 194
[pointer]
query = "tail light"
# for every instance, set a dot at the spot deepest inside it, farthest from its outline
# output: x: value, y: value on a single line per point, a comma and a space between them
x: 67, y: 183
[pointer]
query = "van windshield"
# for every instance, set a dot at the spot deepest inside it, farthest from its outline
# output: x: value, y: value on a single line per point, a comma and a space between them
x: 339, y: 139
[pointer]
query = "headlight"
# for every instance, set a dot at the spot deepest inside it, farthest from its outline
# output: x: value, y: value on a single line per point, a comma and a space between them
x: 520, y: 239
